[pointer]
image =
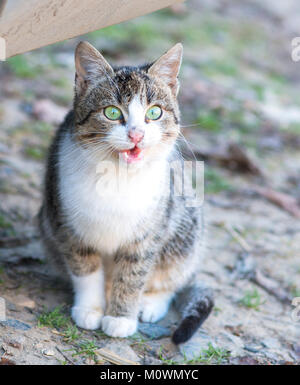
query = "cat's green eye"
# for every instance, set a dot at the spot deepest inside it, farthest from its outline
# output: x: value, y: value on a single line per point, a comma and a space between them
x: 113, y: 113
x: 154, y: 113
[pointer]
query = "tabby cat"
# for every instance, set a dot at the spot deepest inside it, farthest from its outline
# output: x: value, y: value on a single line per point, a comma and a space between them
x: 131, y: 249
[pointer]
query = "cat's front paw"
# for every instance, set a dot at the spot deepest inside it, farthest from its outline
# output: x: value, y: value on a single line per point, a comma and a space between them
x: 118, y: 326
x: 87, y: 317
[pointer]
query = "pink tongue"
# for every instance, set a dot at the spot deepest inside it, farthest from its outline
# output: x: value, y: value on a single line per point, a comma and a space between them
x: 132, y: 155
x: 135, y: 152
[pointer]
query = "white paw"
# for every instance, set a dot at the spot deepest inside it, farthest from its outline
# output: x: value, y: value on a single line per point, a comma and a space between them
x: 153, y: 308
x: 87, y: 317
x: 118, y: 326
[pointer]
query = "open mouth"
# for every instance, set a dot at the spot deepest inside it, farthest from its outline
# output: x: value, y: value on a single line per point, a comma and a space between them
x: 132, y: 155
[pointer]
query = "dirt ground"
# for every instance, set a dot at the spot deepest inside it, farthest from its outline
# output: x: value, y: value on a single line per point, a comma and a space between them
x: 239, y: 90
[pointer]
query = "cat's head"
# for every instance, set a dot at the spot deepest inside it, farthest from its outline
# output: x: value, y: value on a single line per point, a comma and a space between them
x: 127, y: 112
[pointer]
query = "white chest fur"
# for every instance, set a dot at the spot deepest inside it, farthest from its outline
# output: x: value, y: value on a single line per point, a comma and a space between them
x: 103, y: 220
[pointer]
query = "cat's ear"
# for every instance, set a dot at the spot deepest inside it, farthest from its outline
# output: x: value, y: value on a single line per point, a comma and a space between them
x: 167, y: 67
x: 90, y: 65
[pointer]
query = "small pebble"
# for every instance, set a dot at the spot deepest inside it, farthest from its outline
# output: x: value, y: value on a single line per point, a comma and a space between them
x: 48, y: 352
x: 89, y: 361
x: 13, y: 323
x: 154, y: 331
x: 252, y: 349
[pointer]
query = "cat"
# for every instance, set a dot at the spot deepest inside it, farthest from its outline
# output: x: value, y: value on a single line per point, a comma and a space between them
x: 133, y: 250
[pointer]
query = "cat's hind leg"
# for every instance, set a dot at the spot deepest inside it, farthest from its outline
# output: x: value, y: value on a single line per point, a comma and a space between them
x: 155, y: 305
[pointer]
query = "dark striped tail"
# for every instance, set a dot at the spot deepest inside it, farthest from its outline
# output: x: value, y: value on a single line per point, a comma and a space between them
x: 194, y: 304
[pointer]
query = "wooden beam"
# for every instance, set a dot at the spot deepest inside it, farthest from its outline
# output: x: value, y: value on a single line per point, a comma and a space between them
x: 29, y: 24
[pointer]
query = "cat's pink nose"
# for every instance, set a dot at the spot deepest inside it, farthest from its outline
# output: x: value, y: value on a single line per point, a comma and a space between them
x: 135, y: 135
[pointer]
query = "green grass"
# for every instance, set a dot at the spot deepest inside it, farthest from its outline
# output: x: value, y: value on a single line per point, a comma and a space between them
x: 4, y: 224
x: 139, y: 341
x: 40, y: 128
x: 292, y: 128
x: 41, y: 131
x: 61, y: 83
x: 220, y: 119
x: 21, y: 67
x: 209, y: 120
x: 34, y: 152
x: 62, y: 362
x: 54, y: 319
x: 137, y: 337
x: 217, y: 310
x: 210, y: 355
x: 86, y: 348
x: 219, y: 67
x: 138, y: 33
x: 252, y: 299
x: 101, y: 334
x: 71, y: 333
x: 294, y: 290
x: 214, y: 181
x: 162, y: 29
x: 259, y: 90
x: 166, y: 361
x: 1, y: 112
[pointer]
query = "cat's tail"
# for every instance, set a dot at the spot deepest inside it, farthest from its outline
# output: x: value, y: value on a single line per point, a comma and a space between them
x: 194, y: 303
